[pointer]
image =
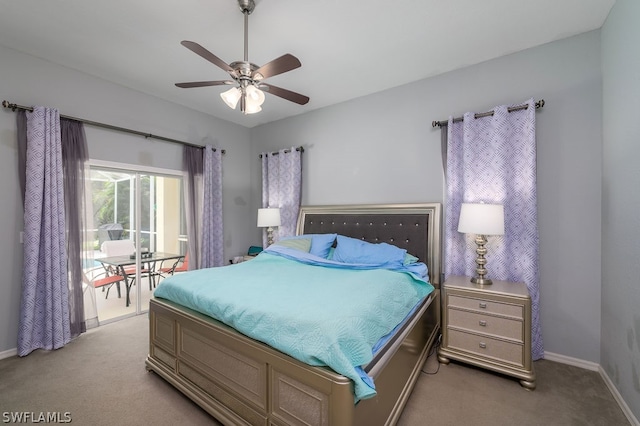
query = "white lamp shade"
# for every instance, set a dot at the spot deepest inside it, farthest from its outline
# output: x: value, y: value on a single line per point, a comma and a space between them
x: 268, y: 217
x: 250, y: 108
x: 254, y: 97
x: 481, y: 219
x: 231, y: 97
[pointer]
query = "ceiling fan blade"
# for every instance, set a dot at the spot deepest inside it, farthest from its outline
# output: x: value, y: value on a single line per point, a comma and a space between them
x: 285, y: 94
x: 284, y: 63
x: 204, y: 83
x: 199, y: 50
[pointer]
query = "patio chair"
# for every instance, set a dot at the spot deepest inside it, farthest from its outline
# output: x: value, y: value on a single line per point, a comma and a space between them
x: 126, y: 248
x: 109, y: 282
x: 180, y: 265
x: 106, y: 282
x: 118, y: 247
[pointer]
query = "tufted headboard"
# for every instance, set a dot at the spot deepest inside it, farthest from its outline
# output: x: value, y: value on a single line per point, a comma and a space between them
x: 414, y: 227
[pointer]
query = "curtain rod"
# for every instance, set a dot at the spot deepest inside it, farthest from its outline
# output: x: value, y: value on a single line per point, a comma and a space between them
x: 538, y: 104
x: 301, y: 149
x: 14, y: 107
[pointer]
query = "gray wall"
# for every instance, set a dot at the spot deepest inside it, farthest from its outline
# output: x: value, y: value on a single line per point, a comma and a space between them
x: 620, y: 355
x: 30, y: 81
x: 382, y: 149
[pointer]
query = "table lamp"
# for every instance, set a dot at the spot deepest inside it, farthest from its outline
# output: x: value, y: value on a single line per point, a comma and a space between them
x: 482, y: 220
x: 268, y: 218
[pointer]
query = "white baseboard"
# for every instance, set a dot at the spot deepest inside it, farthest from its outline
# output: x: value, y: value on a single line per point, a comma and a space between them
x: 9, y: 353
x: 623, y: 405
x: 563, y: 359
x: 588, y: 365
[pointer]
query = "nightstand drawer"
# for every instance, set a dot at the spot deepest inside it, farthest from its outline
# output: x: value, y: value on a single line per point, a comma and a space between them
x: 486, y: 306
x: 482, y: 323
x: 487, y: 347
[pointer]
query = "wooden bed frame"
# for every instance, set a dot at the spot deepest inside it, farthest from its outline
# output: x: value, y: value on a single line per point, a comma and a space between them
x: 240, y: 381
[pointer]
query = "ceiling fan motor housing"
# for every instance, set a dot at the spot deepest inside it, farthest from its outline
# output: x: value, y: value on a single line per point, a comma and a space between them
x: 244, y: 71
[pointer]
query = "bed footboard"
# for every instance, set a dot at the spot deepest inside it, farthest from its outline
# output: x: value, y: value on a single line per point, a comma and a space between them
x: 240, y: 381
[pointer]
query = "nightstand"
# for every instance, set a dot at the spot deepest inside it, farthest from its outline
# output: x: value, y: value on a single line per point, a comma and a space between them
x: 488, y: 326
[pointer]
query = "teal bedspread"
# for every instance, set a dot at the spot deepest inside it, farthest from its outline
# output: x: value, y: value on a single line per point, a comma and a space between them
x: 323, y: 315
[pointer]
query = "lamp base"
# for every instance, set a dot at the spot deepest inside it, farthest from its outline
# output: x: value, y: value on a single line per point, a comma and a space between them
x: 481, y: 281
x: 481, y: 271
x: 270, y: 235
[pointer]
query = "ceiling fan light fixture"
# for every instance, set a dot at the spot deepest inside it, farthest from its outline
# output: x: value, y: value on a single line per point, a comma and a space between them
x: 254, y: 95
x: 251, y: 108
x: 231, y: 97
x: 248, y: 76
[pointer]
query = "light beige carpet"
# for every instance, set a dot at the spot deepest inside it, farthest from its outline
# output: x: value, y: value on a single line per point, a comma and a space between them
x: 100, y: 379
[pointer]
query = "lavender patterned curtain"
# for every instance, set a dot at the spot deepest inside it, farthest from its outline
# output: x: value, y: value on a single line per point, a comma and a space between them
x: 203, y: 204
x: 493, y: 160
x: 74, y: 156
x: 44, y: 309
x: 282, y: 188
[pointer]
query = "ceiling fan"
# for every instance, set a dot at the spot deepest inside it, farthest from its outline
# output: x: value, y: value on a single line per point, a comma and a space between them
x: 247, y: 77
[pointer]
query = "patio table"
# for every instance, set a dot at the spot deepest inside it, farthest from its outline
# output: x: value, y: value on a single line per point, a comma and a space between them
x: 149, y: 262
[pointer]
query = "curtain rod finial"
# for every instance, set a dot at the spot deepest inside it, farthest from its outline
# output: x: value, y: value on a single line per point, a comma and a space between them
x: 7, y: 104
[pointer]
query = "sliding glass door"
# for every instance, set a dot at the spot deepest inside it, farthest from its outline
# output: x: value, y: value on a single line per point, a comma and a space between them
x: 137, y: 232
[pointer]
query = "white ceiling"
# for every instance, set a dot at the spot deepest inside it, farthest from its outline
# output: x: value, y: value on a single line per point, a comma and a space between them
x: 348, y: 49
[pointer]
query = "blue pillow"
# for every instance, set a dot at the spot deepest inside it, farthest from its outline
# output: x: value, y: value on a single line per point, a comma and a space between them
x: 351, y: 250
x: 320, y: 243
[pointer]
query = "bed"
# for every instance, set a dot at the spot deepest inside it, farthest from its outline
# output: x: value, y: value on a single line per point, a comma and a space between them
x: 242, y: 381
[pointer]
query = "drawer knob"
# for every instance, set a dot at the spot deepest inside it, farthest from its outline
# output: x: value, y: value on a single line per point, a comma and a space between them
x: 482, y: 345
x: 483, y: 305
x: 482, y: 323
